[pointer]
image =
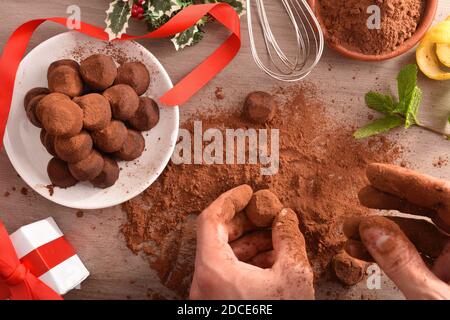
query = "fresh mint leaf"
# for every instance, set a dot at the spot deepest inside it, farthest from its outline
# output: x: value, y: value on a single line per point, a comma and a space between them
x: 379, y: 126
x: 406, y: 83
x: 380, y: 102
x: 412, y: 108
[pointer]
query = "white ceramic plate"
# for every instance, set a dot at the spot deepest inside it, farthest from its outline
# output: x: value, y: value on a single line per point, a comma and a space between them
x: 28, y: 156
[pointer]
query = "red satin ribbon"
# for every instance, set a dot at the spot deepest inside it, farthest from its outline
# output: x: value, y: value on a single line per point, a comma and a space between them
x: 179, y: 94
x: 17, y: 282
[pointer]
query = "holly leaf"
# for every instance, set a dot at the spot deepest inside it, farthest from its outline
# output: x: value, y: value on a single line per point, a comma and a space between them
x: 117, y: 16
x: 164, y: 7
x: 379, y: 126
x: 406, y: 83
x: 187, y: 38
x: 380, y: 102
x: 412, y: 109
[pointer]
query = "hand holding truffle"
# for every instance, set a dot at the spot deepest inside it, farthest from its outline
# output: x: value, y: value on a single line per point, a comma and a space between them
x: 399, y: 245
x: 220, y: 270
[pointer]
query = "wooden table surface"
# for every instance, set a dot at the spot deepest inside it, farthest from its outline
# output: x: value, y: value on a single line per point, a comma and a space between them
x: 116, y: 273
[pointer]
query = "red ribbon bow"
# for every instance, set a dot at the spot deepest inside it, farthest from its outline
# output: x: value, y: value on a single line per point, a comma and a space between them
x: 17, y: 282
x: 179, y: 94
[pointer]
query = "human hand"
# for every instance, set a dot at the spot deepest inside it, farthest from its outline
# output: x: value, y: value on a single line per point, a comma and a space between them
x: 394, y: 242
x: 220, y: 275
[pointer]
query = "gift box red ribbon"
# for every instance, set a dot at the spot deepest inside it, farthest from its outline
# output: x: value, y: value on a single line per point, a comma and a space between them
x: 19, y: 278
x: 179, y: 94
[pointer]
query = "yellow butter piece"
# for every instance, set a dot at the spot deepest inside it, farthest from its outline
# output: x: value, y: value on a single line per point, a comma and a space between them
x: 443, y: 52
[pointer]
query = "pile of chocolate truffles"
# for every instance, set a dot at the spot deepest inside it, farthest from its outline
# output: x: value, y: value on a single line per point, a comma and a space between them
x: 92, y: 114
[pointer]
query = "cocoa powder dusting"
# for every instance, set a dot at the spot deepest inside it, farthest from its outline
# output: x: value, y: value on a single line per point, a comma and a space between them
x: 322, y: 168
x: 346, y: 22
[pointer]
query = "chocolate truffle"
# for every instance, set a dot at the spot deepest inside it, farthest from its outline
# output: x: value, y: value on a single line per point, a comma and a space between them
x: 133, y: 146
x: 67, y: 80
x: 31, y: 110
x: 134, y: 74
x: 63, y: 62
x: 48, y: 100
x: 33, y: 93
x: 96, y: 111
x: 347, y: 269
x: 88, y: 168
x: 111, y: 138
x: 263, y: 207
x: 59, y: 174
x: 124, y: 101
x: 62, y: 118
x: 98, y: 71
x: 48, y: 141
x: 260, y: 107
x: 146, y: 116
x: 75, y: 148
x: 108, y: 176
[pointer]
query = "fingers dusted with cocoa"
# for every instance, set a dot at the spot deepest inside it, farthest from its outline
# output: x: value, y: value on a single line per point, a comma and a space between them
x: 238, y: 226
x: 419, y: 189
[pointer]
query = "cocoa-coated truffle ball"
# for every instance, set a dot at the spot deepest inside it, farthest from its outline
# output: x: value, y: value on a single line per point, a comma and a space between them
x: 48, y: 141
x: 63, y: 62
x: 146, y: 116
x: 48, y: 100
x: 99, y: 71
x: 88, y: 168
x: 33, y: 93
x: 31, y: 110
x: 108, y: 176
x: 260, y: 107
x: 124, y: 101
x: 111, y: 138
x: 263, y: 207
x: 134, y: 74
x: 133, y: 146
x: 59, y: 174
x: 96, y: 111
x: 347, y: 269
x: 62, y: 118
x: 66, y: 80
x: 75, y: 148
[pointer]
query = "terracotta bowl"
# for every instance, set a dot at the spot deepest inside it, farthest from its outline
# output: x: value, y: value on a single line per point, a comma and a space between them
x: 425, y: 24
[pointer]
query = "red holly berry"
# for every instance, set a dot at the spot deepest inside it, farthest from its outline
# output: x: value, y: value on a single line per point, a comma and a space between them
x: 135, y: 10
x: 140, y: 10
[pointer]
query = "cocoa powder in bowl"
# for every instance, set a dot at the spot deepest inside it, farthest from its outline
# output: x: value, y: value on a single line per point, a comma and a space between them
x: 346, y: 23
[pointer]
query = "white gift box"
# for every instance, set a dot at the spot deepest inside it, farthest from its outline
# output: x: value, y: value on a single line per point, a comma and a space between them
x: 63, y: 277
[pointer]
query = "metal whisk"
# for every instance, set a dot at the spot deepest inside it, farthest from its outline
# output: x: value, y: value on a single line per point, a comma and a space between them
x: 308, y: 35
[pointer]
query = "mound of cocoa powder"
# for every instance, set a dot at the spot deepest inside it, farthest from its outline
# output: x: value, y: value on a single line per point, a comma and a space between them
x: 322, y: 168
x: 346, y: 23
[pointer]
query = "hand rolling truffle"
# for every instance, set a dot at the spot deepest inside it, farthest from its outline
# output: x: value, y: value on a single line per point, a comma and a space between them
x: 124, y: 101
x: 96, y: 111
x: 59, y: 174
x: 31, y: 110
x: 111, y: 138
x: 88, y: 168
x: 33, y: 93
x: 67, y: 80
x: 63, y: 62
x: 146, y: 116
x: 134, y: 74
x: 99, y: 71
x: 62, y: 118
x: 260, y: 107
x: 263, y: 207
x: 108, y: 176
x: 48, y: 141
x: 133, y: 146
x: 75, y: 148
